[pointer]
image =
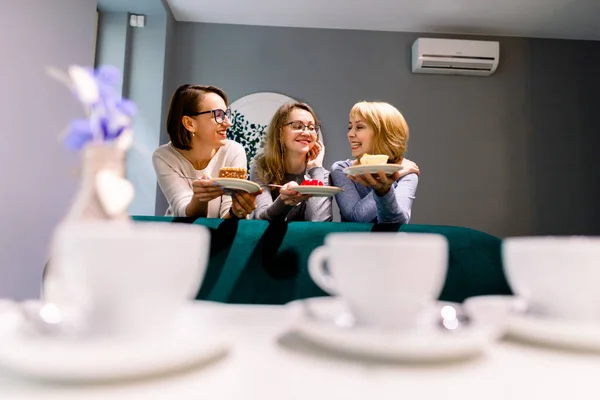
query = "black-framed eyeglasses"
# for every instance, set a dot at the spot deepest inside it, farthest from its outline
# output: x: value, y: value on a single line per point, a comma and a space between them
x: 218, y: 114
x: 300, y: 126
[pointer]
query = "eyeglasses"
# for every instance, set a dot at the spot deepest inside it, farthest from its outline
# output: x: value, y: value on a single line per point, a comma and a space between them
x: 218, y: 114
x: 299, y: 126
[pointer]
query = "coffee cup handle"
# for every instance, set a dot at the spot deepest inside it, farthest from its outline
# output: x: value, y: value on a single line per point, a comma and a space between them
x: 316, y: 270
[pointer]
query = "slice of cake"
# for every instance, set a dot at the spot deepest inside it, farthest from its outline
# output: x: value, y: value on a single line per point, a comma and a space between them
x: 231, y: 172
x: 374, y: 159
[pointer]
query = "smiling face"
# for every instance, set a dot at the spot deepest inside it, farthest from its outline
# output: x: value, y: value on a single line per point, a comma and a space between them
x: 206, y: 130
x: 377, y: 128
x: 294, y: 138
x: 360, y: 136
x: 285, y: 140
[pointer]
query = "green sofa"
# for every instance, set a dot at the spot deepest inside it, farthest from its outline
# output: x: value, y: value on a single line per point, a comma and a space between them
x: 257, y: 262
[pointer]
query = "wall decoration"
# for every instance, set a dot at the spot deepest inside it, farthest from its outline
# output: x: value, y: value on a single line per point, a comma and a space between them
x: 250, y: 116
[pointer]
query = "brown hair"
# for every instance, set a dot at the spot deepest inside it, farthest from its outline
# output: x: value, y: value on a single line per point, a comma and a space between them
x: 270, y: 163
x: 185, y: 102
x: 391, y: 129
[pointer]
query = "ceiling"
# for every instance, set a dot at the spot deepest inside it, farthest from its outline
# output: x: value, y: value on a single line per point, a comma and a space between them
x: 559, y: 19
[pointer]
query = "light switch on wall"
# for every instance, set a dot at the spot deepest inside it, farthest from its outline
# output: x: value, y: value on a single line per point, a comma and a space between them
x: 137, y: 21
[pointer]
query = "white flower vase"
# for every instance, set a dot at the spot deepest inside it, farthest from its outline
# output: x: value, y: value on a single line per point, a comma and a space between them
x: 103, y: 195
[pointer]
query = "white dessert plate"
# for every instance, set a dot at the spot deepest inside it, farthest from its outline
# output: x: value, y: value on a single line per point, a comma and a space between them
x: 388, y: 169
x: 318, y: 191
x: 238, y: 184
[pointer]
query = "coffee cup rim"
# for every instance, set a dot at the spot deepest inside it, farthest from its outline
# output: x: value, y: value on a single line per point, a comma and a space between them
x: 384, y: 239
x: 551, y: 242
x: 98, y: 230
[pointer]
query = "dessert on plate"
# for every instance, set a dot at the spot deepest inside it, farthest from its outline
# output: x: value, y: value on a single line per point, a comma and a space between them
x: 374, y: 159
x: 233, y: 172
x: 373, y: 164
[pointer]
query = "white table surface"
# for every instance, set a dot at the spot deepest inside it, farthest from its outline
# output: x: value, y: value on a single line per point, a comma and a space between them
x: 267, y: 362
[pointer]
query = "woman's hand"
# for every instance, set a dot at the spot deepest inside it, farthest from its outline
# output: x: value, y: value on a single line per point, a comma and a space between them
x: 290, y: 197
x: 205, y: 190
x: 243, y: 203
x: 316, y: 155
x: 380, y: 182
x: 408, y: 167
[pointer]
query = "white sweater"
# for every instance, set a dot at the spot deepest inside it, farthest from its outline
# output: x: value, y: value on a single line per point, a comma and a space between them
x: 170, y: 165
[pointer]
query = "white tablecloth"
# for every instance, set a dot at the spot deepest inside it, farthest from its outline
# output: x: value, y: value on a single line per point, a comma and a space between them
x: 267, y: 362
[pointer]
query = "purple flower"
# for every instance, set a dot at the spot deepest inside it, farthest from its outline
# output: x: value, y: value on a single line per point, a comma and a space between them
x: 127, y: 107
x: 109, y: 113
x: 78, y: 134
x: 108, y: 75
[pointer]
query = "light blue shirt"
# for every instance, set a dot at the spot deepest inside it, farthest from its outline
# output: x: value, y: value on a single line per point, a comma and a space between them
x: 358, y: 203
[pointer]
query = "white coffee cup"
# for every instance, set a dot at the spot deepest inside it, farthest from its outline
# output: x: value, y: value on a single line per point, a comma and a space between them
x: 556, y: 276
x: 387, y: 279
x: 130, y: 279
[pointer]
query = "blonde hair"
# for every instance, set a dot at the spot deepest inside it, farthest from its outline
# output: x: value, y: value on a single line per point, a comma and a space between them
x: 389, y: 125
x: 270, y: 164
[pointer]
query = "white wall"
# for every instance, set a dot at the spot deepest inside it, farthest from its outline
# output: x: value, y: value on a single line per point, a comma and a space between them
x: 36, y: 172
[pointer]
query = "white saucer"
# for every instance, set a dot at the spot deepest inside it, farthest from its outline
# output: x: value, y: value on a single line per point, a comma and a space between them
x: 388, y: 169
x: 494, y: 310
x: 318, y: 191
x: 238, y: 184
x: 61, y: 360
x: 565, y: 334
x: 321, y: 321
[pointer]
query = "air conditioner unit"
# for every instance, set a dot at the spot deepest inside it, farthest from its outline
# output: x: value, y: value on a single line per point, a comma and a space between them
x: 455, y: 57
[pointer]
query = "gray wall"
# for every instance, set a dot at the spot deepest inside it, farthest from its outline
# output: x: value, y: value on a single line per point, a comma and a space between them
x: 169, y: 87
x: 112, y: 45
x: 496, y: 153
x: 140, y: 54
x: 565, y: 137
x: 150, y: 7
x: 145, y: 88
x: 35, y: 169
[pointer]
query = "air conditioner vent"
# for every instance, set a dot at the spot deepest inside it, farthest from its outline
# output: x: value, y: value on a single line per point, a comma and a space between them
x: 458, y: 57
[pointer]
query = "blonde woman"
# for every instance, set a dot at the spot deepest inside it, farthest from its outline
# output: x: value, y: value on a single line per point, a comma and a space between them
x: 292, y: 153
x: 376, y: 128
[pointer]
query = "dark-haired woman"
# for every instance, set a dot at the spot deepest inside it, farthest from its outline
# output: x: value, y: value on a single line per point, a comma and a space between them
x: 197, y: 127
